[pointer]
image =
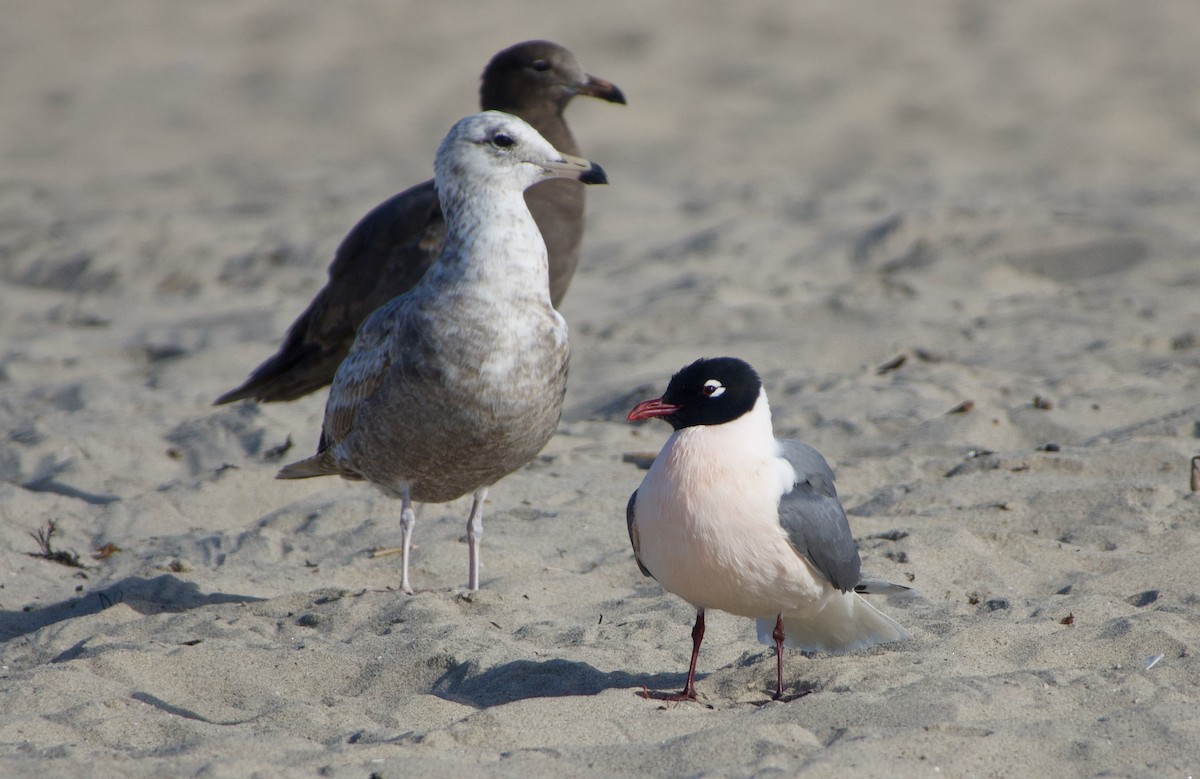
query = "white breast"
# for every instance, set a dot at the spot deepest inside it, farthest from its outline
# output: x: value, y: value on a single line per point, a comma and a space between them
x: 708, y: 521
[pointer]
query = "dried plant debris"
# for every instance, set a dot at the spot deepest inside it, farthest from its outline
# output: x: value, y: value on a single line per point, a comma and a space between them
x: 176, y: 565
x: 44, y: 537
x: 106, y: 551
x: 895, y: 534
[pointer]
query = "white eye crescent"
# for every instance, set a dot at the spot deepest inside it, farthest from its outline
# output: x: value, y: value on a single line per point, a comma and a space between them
x: 713, y: 389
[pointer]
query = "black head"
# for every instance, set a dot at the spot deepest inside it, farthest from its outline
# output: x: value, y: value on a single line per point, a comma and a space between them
x: 707, y: 392
x: 536, y: 74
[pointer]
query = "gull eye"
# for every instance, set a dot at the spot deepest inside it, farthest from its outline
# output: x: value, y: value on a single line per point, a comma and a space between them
x: 712, y: 389
x: 541, y: 66
x: 502, y: 141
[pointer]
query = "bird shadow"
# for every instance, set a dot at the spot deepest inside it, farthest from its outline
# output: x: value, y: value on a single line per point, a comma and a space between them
x: 801, y: 691
x: 160, y: 594
x: 524, y: 679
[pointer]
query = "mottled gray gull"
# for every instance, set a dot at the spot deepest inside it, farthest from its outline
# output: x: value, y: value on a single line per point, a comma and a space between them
x: 459, y: 381
x: 393, y: 245
x: 728, y: 517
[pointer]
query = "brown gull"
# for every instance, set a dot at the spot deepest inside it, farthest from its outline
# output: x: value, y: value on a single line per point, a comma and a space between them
x: 393, y: 245
x: 730, y: 518
x: 459, y: 381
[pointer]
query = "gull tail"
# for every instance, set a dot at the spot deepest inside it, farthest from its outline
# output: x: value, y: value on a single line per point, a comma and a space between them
x: 320, y: 464
x: 847, y: 623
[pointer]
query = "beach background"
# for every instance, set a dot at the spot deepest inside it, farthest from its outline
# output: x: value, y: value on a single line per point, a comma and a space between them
x: 892, y: 211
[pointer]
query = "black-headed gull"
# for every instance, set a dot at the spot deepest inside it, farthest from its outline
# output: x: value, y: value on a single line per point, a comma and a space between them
x: 728, y: 517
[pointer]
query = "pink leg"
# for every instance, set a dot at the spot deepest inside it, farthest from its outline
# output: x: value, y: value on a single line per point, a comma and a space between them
x: 408, y: 518
x: 689, y: 689
x: 474, y: 536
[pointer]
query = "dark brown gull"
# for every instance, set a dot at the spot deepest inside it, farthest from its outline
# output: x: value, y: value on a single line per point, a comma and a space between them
x: 393, y: 245
x: 459, y: 381
x: 730, y: 518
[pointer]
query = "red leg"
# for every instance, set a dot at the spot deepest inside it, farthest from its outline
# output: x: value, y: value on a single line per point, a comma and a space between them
x: 778, y: 635
x: 689, y: 690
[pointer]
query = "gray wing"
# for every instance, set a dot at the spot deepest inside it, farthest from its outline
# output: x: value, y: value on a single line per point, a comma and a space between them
x: 879, y: 587
x: 631, y: 525
x: 814, y: 519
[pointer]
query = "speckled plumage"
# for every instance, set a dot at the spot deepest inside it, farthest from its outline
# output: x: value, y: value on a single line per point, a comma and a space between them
x: 460, y: 381
x: 392, y: 247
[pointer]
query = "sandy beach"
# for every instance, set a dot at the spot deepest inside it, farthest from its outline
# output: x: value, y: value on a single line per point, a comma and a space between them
x: 958, y: 240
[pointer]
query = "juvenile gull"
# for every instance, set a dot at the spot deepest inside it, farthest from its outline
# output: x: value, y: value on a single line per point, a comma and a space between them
x: 393, y: 245
x: 729, y: 517
x: 459, y: 381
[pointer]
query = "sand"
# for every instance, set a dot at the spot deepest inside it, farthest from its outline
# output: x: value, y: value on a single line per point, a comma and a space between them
x: 1006, y: 196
